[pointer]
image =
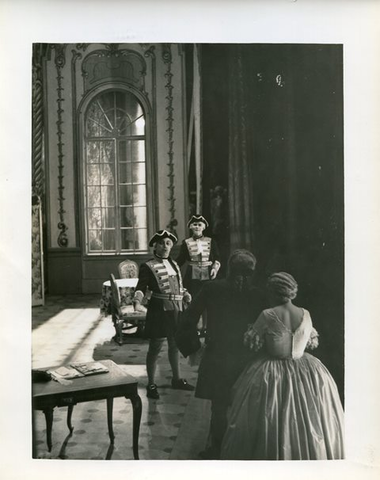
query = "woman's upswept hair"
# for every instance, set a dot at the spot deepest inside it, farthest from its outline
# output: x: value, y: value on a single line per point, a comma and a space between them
x: 282, y: 285
x: 241, y: 267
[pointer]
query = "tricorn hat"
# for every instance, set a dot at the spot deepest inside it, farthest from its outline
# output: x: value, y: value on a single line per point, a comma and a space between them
x: 160, y: 235
x: 197, y: 218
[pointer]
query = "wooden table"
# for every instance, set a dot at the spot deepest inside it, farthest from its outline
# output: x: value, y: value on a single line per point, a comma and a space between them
x: 102, y: 386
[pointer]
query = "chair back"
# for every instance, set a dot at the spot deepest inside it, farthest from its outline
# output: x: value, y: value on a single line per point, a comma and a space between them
x: 128, y: 269
x: 115, y: 297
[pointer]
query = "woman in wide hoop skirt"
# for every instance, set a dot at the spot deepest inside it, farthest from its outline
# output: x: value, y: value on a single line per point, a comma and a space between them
x: 286, y: 405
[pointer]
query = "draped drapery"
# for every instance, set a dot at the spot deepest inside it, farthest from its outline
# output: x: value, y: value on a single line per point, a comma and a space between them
x: 194, y: 138
x: 273, y: 115
x: 285, y: 152
x: 275, y: 108
x: 197, y: 127
x: 241, y: 218
x: 262, y: 180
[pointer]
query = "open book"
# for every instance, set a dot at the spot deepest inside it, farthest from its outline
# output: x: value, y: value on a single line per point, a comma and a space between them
x: 65, y: 373
x: 90, y: 368
x: 75, y: 370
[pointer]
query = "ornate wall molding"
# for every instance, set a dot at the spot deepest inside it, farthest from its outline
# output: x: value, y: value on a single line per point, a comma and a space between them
x: 149, y: 53
x: 60, y: 61
x: 75, y: 56
x: 82, y: 46
x: 112, y: 47
x: 112, y: 64
x: 38, y: 173
x: 167, y: 58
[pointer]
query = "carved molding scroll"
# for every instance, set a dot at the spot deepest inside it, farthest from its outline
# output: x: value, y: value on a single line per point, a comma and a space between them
x: 167, y: 58
x: 60, y: 60
x: 75, y: 56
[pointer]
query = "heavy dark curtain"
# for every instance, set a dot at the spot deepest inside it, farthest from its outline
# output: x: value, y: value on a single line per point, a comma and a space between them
x: 273, y: 136
x: 240, y: 164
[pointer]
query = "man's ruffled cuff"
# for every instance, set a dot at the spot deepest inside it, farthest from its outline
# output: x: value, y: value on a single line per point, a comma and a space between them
x: 216, y: 266
x: 138, y: 296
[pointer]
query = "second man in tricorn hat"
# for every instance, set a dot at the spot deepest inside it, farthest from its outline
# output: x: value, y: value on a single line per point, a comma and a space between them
x: 201, y: 253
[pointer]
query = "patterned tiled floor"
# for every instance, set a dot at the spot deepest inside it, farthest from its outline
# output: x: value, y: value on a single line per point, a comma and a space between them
x: 69, y: 329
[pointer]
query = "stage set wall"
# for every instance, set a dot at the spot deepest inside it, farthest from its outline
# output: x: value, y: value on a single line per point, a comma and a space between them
x: 66, y: 85
x: 281, y: 105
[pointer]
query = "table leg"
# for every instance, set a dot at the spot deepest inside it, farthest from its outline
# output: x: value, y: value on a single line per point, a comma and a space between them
x: 137, y: 409
x: 70, y: 409
x: 49, y: 425
x: 109, y: 419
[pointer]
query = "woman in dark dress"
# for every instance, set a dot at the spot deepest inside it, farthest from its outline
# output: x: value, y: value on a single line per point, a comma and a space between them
x: 230, y: 304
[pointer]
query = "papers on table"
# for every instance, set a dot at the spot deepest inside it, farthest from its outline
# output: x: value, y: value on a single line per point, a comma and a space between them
x: 67, y: 373
x: 90, y: 368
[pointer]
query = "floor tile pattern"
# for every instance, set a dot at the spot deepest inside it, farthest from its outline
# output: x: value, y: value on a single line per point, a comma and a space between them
x: 70, y: 329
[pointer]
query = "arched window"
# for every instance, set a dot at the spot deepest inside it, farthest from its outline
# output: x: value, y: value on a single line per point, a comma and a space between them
x: 115, y: 195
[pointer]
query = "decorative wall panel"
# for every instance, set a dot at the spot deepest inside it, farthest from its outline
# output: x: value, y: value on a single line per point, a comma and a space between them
x: 74, y: 74
x: 60, y: 60
x: 113, y: 65
x: 76, y: 56
x: 167, y: 58
x: 38, y: 173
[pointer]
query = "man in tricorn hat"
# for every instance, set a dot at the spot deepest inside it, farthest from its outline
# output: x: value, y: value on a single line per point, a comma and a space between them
x: 201, y: 253
x: 162, y: 277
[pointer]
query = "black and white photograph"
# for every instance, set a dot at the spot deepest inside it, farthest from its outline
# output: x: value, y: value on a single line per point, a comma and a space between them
x: 188, y: 189
x: 197, y: 248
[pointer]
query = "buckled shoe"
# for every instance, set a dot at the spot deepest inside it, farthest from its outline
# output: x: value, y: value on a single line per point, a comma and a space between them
x: 152, y: 392
x: 182, y: 384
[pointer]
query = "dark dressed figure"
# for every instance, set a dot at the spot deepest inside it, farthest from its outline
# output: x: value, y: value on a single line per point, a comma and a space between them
x: 161, y: 277
x: 230, y: 304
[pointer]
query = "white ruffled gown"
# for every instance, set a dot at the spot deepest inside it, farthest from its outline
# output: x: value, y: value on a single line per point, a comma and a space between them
x: 286, y: 405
